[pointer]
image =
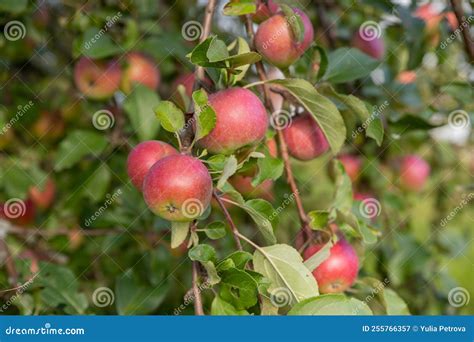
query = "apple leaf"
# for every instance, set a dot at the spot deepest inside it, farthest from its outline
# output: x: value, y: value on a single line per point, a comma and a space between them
x: 220, y: 307
x: 294, y: 20
x: 170, y: 116
x: 204, y: 114
x: 283, y: 266
x: 323, y: 110
x: 206, y: 255
x: 262, y: 213
x: 348, y: 64
x: 268, y: 168
x: 139, y: 108
x: 318, y: 258
x: 318, y: 219
x: 238, y: 288
x: 343, y: 197
x: 179, y: 232
x: 230, y: 167
x: 240, y: 7
x: 330, y: 304
x: 215, y: 230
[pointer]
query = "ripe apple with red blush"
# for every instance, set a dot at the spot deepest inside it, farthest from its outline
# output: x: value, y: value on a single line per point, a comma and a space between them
x: 339, y: 271
x: 369, y: 44
x: 241, y: 120
x: 414, y: 173
x: 304, y: 138
x: 178, y: 188
x: 43, y: 197
x: 97, y: 79
x: 352, y: 165
x: 139, y: 69
x: 243, y: 184
x: 276, y: 42
x: 142, y: 158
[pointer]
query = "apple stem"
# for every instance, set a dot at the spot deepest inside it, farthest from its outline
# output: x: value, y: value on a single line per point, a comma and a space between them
x: 235, y: 231
x: 306, y: 230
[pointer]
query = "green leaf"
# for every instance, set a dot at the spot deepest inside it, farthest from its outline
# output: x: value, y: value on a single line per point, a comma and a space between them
x: 238, y: 288
x: 97, y: 184
x: 323, y: 61
x: 133, y: 297
x: 240, y: 259
x: 76, y: 145
x: 247, y: 56
x: 268, y: 168
x: 371, y: 122
x: 295, y: 22
x: 230, y: 167
x: 206, y: 255
x: 343, y: 197
x: 317, y: 258
x: 240, y: 7
x: 179, y: 232
x: 323, y: 110
x: 318, y: 219
x: 217, y: 51
x: 284, y: 267
x: 170, y: 116
x: 394, y: 304
x: 96, y: 44
x: 204, y: 114
x: 261, y: 212
x: 215, y: 230
x: 220, y: 307
x: 330, y: 304
x: 358, y: 227
x: 139, y: 107
x: 348, y: 64
x: 409, y: 123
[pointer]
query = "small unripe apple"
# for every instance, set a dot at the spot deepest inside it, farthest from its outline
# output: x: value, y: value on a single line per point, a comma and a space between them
x: 178, y: 188
x: 243, y: 184
x: 352, y: 165
x: 97, y: 79
x: 304, y: 138
x: 264, y: 10
x: 142, y: 158
x: 414, y: 172
x: 241, y: 120
x: 139, y: 69
x: 43, y: 197
x: 276, y: 42
x: 339, y: 271
x: 372, y: 46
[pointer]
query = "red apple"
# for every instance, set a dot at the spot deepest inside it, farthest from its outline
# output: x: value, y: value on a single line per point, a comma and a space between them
x: 304, y: 138
x: 339, y: 271
x: 352, y: 164
x: 43, y: 197
x: 414, y: 172
x: 276, y: 42
x: 241, y: 120
x: 18, y: 212
x: 370, y: 45
x: 142, y: 158
x: 243, y: 184
x: 139, y: 69
x: 97, y: 79
x: 178, y: 188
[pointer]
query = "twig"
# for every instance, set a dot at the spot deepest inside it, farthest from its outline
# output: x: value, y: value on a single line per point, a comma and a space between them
x: 468, y: 42
x: 228, y: 218
x: 281, y: 140
x: 198, y: 309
